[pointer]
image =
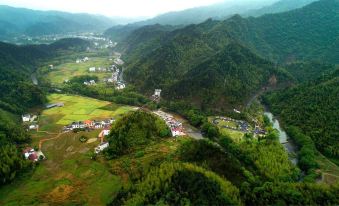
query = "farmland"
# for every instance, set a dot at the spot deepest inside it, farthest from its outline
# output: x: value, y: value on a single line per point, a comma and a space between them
x: 77, y: 108
x: 65, y: 71
x: 70, y: 177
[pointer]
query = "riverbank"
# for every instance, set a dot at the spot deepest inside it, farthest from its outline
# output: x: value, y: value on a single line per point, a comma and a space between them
x: 288, y: 144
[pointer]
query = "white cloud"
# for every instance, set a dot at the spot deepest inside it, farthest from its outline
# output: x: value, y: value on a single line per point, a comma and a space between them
x: 111, y: 7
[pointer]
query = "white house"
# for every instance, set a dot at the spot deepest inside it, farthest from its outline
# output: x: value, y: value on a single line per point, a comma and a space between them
x: 33, y: 126
x: 92, y: 69
x: 101, y: 147
x: 236, y: 111
x: 26, y: 118
x: 92, y: 82
x: 120, y: 86
x: 157, y: 92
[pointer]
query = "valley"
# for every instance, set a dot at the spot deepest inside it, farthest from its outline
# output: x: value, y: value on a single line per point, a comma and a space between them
x: 234, y: 110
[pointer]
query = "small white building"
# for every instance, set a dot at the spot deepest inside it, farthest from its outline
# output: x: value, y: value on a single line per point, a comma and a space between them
x: 92, y: 69
x: 33, y: 127
x: 236, y: 111
x: 26, y: 118
x: 120, y: 86
x: 29, y: 118
x: 92, y: 82
x: 157, y: 92
x: 101, y: 147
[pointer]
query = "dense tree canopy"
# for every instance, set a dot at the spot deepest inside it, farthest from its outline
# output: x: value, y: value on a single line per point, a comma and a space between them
x: 313, y: 107
x: 180, y: 184
x: 135, y: 129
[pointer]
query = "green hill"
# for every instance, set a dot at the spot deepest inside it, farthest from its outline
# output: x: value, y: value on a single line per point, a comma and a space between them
x: 135, y: 129
x: 180, y: 184
x: 226, y: 80
x: 309, y: 33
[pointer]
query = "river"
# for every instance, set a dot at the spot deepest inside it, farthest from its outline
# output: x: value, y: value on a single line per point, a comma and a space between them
x: 283, y: 138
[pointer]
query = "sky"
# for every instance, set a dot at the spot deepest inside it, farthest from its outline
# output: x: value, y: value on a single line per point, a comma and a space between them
x: 123, y: 8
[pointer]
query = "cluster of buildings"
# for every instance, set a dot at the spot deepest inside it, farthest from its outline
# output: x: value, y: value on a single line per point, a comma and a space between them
x: 30, y: 121
x: 85, y: 59
x: 32, y: 155
x: 101, y: 69
x: 115, y: 75
x: 89, y: 124
x: 174, y: 125
x: 242, y: 126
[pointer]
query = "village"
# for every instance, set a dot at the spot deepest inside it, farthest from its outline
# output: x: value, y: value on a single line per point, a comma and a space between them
x: 175, y: 126
x: 238, y: 125
x: 114, y: 68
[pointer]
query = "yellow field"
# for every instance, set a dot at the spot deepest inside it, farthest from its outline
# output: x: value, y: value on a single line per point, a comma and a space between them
x: 77, y: 108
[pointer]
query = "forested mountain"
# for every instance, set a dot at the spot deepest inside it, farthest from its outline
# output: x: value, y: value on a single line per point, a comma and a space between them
x: 18, y: 93
x: 18, y: 21
x: 16, y: 65
x: 227, y: 79
x: 312, y: 107
x: 308, y: 71
x: 304, y: 34
x: 189, y: 16
x: 218, y: 12
x: 280, y: 6
x: 200, y: 14
x: 309, y: 33
x: 144, y: 40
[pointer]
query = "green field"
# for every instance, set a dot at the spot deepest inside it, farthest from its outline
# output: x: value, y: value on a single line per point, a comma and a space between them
x: 77, y: 108
x: 236, y: 136
x: 69, y: 70
x: 69, y: 177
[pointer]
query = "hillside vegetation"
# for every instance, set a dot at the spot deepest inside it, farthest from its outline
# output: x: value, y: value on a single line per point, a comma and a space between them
x: 135, y: 129
x: 180, y: 184
x: 227, y: 79
x: 182, y: 60
x: 313, y: 107
x: 17, y: 94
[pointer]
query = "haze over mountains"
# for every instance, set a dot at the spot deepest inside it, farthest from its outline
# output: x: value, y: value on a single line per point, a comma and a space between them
x: 19, y: 21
